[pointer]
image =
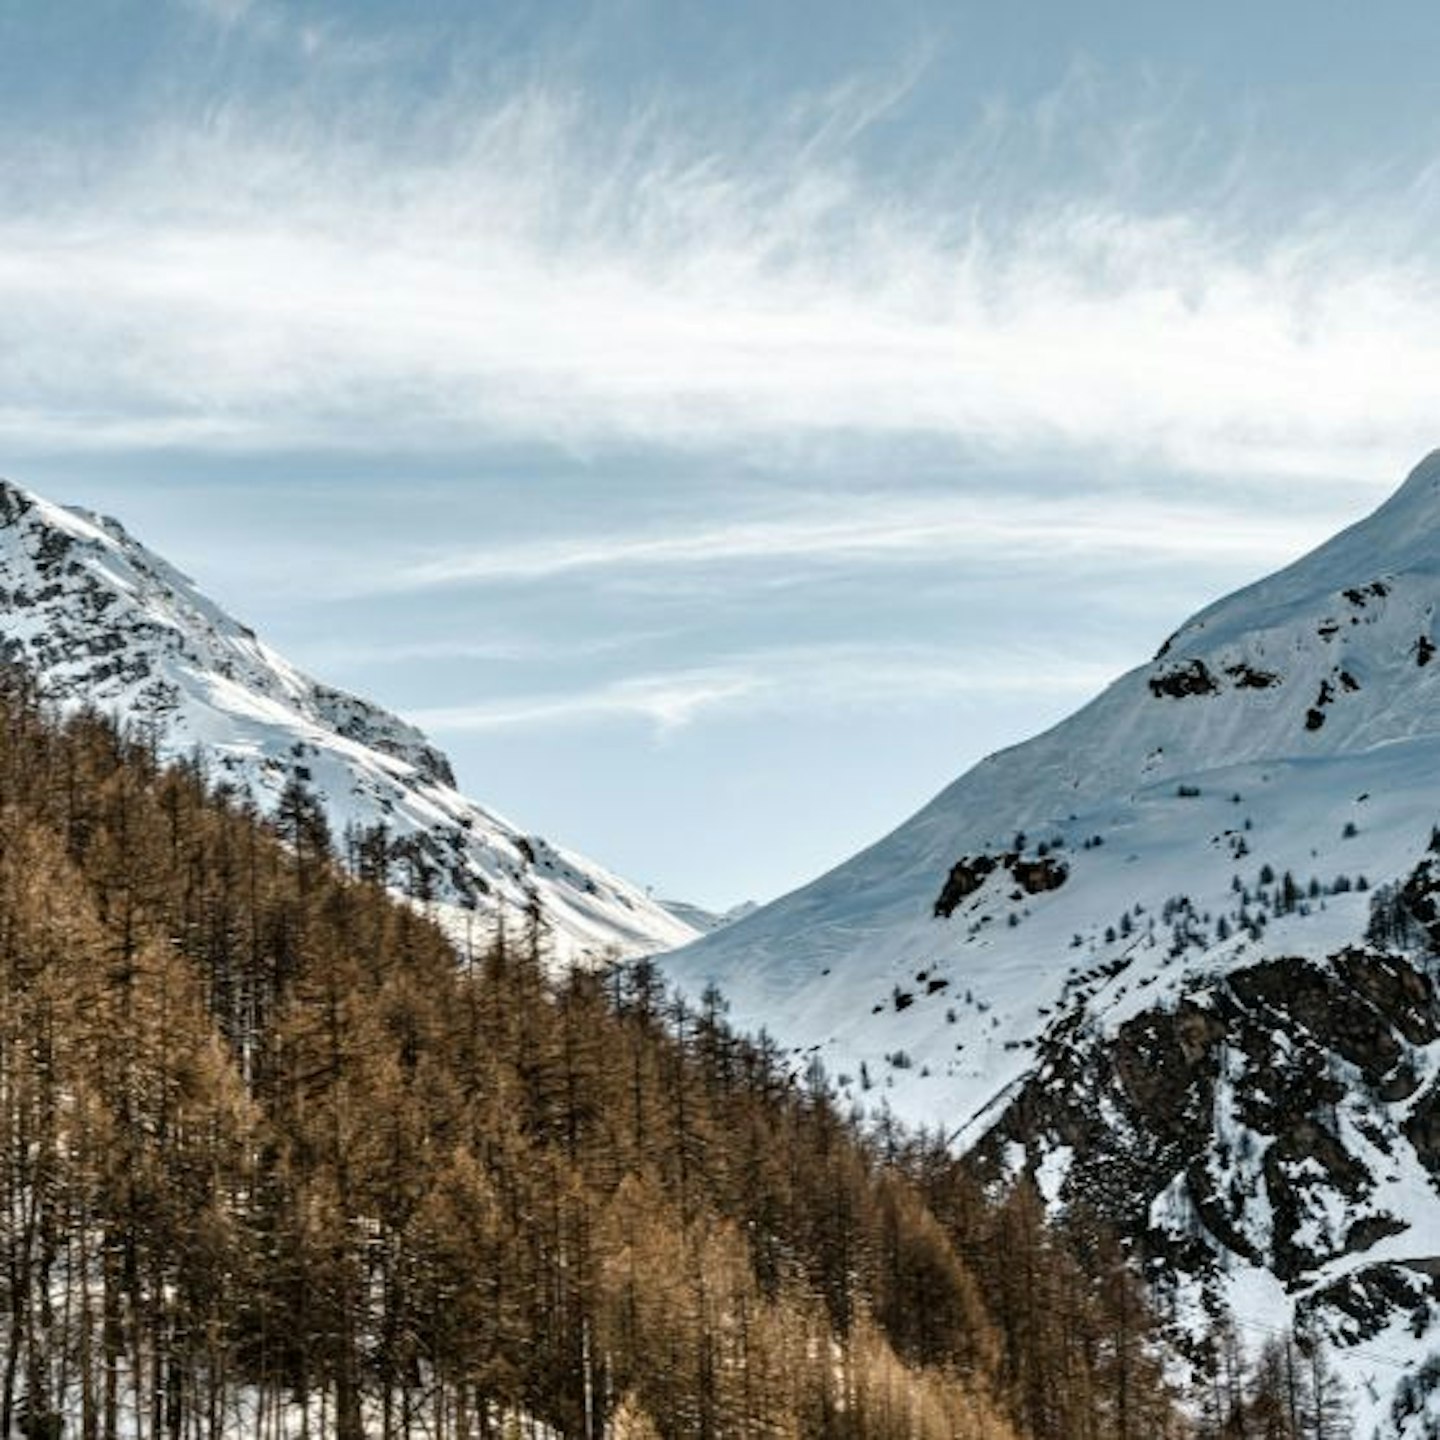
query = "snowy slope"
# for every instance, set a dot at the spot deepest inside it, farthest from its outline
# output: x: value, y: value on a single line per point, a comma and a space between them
x: 1236, y: 799
x: 100, y: 619
x: 1226, y: 710
x: 703, y: 920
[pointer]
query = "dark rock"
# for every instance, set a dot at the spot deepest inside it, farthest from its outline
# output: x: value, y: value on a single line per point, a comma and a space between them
x: 965, y: 878
x: 1362, y: 594
x: 1139, y: 1109
x: 969, y: 873
x: 1035, y: 877
x: 1191, y: 678
x: 1247, y: 677
x: 1422, y: 1128
x: 1368, y: 1298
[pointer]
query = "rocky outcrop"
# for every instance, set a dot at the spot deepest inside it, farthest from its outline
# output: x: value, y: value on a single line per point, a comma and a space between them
x: 1179, y: 681
x: 1278, y: 1116
x: 1251, y: 677
x: 1034, y: 876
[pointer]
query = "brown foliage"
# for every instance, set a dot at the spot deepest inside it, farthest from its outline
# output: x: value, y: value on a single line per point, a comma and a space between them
x: 271, y: 1149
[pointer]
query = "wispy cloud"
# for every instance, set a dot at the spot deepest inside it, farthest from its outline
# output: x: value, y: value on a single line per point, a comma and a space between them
x: 519, y: 269
x: 498, y: 649
x: 884, y: 529
x: 668, y: 701
x: 811, y: 679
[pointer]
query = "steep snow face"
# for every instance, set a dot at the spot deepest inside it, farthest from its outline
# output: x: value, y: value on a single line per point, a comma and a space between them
x: 101, y: 620
x: 1233, y: 803
x: 1294, y: 727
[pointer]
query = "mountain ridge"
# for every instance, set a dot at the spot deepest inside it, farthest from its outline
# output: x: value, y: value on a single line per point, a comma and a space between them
x: 1157, y: 728
x: 1247, y: 804
x: 99, y: 619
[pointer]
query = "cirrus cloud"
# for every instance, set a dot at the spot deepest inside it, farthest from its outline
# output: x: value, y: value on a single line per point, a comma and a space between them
x: 778, y: 679
x: 511, y: 276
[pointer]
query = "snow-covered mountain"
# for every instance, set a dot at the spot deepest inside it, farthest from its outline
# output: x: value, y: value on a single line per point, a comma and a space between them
x: 1176, y: 956
x: 703, y: 920
x: 102, y: 620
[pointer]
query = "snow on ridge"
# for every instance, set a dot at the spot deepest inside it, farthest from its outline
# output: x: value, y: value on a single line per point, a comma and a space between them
x: 1268, y: 727
x: 1232, y: 803
x: 102, y: 620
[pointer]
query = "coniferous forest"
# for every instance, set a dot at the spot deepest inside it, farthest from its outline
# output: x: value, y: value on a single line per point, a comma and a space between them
x: 277, y: 1161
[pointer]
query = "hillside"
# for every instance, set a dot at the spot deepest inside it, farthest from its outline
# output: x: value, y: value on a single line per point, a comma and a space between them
x: 275, y: 1163
x: 98, y: 619
x: 1195, y: 856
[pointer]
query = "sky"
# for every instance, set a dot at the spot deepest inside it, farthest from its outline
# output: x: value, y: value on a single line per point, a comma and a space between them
x: 719, y: 424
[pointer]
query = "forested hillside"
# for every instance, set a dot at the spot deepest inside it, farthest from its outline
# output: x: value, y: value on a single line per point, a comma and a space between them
x: 276, y: 1161
x: 99, y: 619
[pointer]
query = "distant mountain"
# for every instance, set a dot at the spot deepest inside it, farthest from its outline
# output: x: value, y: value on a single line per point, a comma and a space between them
x: 101, y: 620
x: 703, y: 920
x: 1176, y: 957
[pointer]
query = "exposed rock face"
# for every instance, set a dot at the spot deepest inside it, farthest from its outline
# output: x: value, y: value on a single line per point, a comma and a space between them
x: 364, y: 723
x: 1035, y: 877
x: 1282, y: 1118
x: 101, y: 620
x: 965, y: 878
x: 1178, y: 681
x: 1418, y: 906
x: 967, y: 875
x: 1250, y: 677
x: 1306, y: 1039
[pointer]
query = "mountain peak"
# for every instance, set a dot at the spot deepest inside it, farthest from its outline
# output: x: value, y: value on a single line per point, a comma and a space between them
x: 20, y: 506
x: 101, y: 620
x: 1288, y: 698
x: 1143, y: 945
x: 1174, y: 956
x: 1421, y: 488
